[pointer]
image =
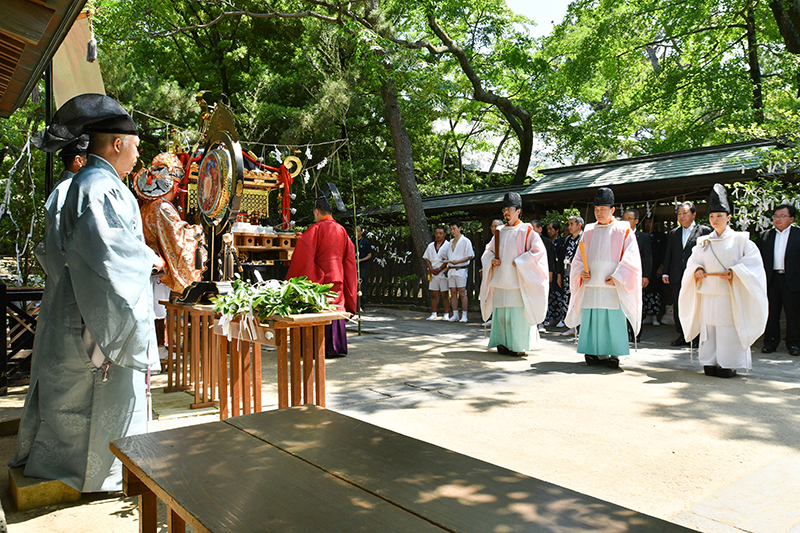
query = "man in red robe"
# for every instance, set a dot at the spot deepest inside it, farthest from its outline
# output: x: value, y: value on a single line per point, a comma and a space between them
x: 325, y: 254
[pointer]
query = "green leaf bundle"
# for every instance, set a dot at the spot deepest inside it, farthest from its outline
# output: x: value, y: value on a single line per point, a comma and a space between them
x: 275, y: 297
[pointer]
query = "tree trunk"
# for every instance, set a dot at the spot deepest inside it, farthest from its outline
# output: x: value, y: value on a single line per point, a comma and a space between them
x: 497, y: 152
x: 651, y: 53
x: 786, y: 26
x: 755, y: 68
x: 525, y: 150
x: 404, y: 158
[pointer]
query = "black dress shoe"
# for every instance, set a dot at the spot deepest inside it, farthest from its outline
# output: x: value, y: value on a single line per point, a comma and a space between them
x: 794, y: 350
x: 502, y: 350
x: 680, y: 341
x: 592, y: 360
x: 725, y: 372
x: 767, y: 349
x: 612, y: 362
x: 710, y: 370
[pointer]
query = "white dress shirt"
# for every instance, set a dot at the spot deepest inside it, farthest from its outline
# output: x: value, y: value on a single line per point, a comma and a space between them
x: 685, y: 232
x: 779, y: 256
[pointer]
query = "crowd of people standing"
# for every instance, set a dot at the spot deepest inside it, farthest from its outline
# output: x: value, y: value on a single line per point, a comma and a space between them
x: 700, y: 279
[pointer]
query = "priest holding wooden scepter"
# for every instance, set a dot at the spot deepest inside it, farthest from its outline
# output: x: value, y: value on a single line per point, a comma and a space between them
x: 723, y: 296
x: 515, y: 282
x: 603, y: 298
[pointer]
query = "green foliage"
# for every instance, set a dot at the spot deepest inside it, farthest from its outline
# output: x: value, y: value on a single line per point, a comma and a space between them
x: 647, y: 77
x: 274, y: 297
x: 562, y: 217
x: 619, y: 78
x: 299, y: 81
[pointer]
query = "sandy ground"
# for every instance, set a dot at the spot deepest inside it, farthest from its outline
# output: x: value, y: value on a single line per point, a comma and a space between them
x: 656, y: 436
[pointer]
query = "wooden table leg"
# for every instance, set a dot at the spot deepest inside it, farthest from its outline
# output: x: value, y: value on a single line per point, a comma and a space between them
x: 296, y: 347
x: 256, y: 378
x: 207, y: 360
x: 202, y: 361
x: 247, y: 384
x: 222, y: 353
x: 171, y: 346
x: 195, y: 360
x: 308, y: 364
x: 236, y: 377
x: 148, y: 513
x: 319, y: 346
x: 175, y: 524
x: 148, y: 503
x: 184, y: 366
x: 283, y: 368
x: 216, y: 384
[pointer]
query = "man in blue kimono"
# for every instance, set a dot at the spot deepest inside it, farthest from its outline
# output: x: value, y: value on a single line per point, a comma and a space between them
x: 95, y: 331
x: 73, y: 155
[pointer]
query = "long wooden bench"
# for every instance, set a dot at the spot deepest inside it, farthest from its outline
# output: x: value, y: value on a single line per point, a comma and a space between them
x: 309, y: 469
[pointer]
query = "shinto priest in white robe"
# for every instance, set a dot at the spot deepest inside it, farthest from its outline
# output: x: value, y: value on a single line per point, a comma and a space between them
x: 515, y: 293
x: 728, y: 315
x: 612, y: 252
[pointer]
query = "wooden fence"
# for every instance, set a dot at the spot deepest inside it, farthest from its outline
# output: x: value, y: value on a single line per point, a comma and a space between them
x: 391, y: 278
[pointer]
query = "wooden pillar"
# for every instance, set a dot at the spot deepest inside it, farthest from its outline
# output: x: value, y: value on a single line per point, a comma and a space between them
x: 4, y: 355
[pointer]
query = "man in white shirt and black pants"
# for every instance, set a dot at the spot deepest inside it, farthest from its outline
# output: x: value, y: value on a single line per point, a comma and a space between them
x: 780, y: 250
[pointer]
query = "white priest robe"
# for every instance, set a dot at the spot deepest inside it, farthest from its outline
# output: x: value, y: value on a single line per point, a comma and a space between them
x: 612, y: 251
x: 521, y: 280
x: 731, y: 315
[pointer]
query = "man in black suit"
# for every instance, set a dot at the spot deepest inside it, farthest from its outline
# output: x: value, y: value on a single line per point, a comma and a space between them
x: 680, y: 242
x: 631, y: 216
x: 780, y: 250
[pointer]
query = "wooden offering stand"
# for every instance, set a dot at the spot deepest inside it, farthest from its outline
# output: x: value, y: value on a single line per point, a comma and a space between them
x: 300, y: 343
x: 193, y: 360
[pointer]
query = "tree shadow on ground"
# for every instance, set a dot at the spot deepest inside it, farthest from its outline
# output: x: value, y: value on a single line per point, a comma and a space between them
x: 126, y: 507
x: 741, y: 407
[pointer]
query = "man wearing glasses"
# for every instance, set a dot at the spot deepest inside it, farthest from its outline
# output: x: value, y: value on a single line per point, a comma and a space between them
x: 780, y: 250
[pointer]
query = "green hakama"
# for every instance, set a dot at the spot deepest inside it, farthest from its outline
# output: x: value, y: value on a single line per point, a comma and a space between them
x: 603, y: 332
x: 511, y: 329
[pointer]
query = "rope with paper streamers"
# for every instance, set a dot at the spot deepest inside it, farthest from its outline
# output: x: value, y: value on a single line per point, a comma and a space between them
x: 293, y: 150
x: 26, y: 151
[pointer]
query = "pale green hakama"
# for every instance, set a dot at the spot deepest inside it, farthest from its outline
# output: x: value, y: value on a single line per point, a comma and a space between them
x: 515, y: 292
x: 603, y: 332
x: 511, y: 329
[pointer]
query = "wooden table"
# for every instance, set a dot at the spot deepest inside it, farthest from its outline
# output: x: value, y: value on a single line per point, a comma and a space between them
x: 300, y: 343
x: 309, y: 469
x: 193, y: 360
